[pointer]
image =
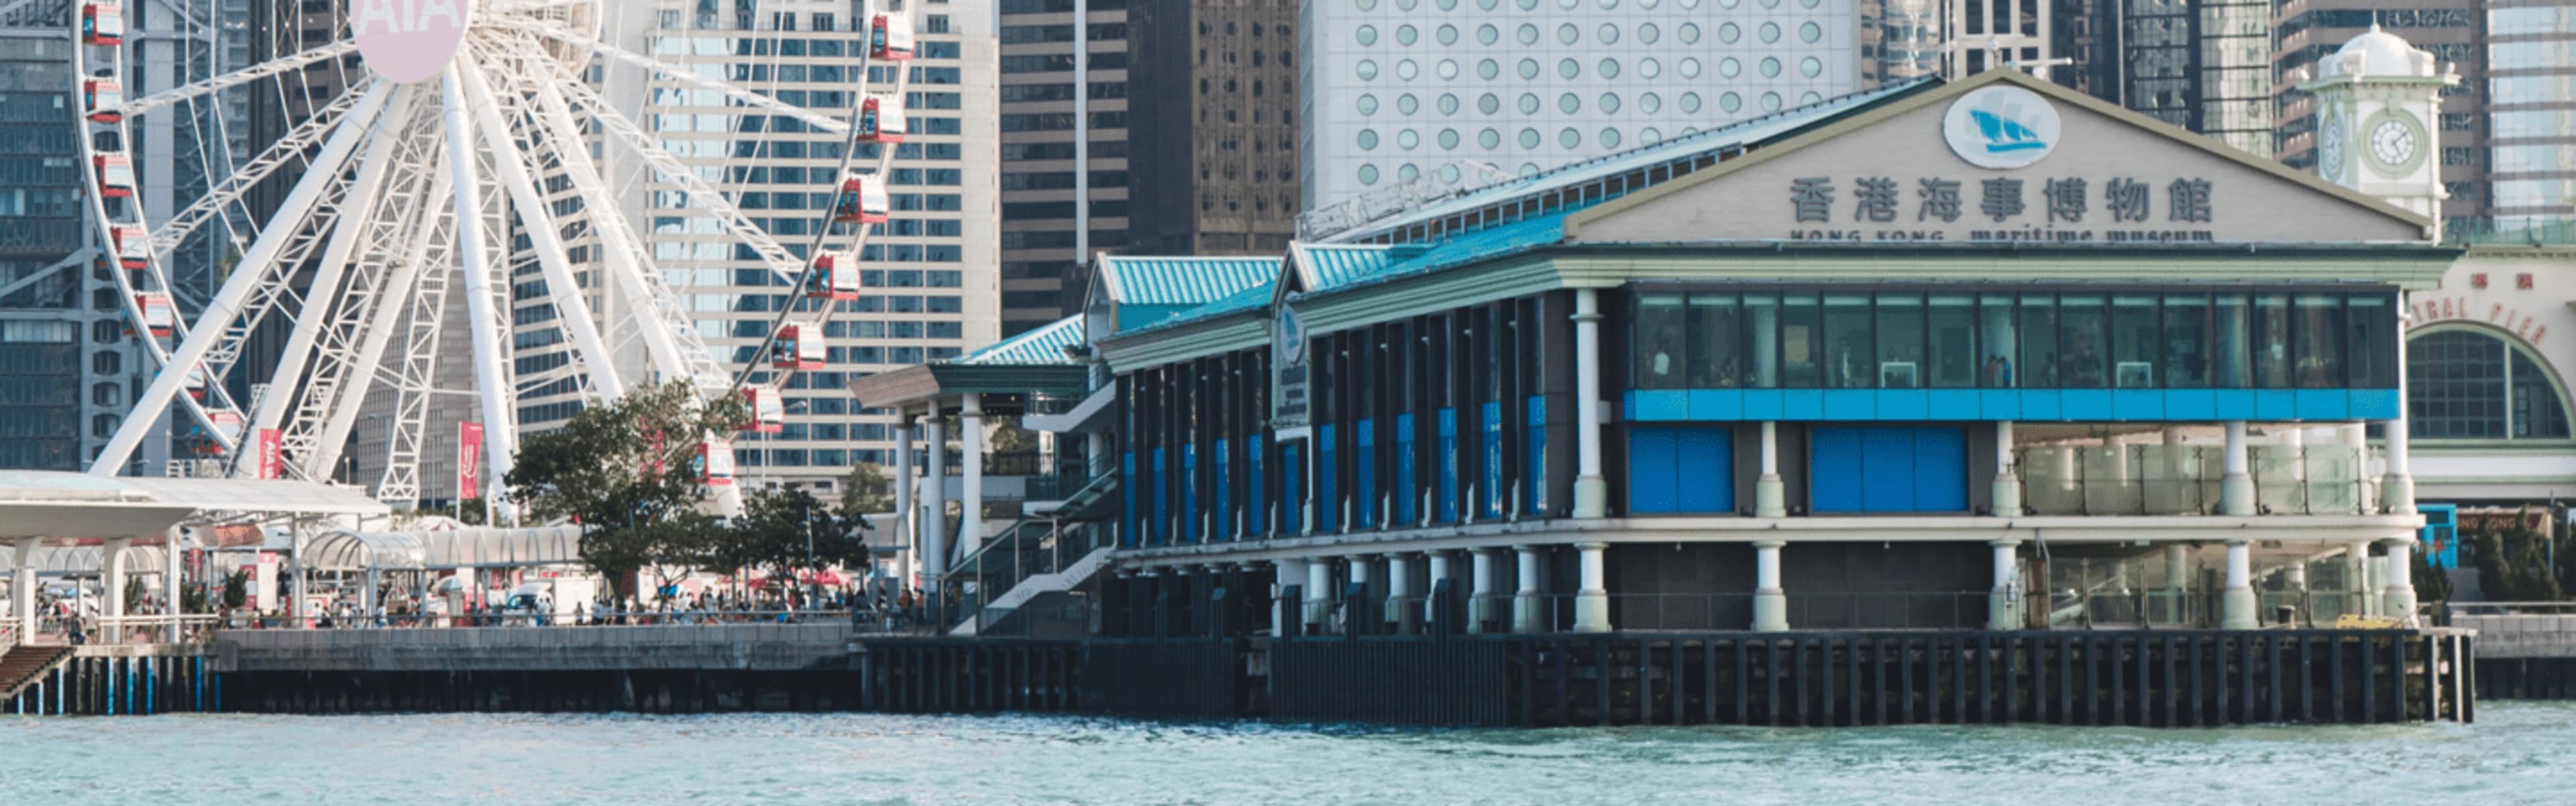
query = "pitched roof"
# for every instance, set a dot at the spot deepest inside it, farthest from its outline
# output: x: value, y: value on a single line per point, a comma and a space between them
x: 1185, y: 281
x: 1044, y: 345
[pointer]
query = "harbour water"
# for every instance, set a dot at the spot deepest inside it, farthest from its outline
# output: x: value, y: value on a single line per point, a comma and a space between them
x: 2515, y: 753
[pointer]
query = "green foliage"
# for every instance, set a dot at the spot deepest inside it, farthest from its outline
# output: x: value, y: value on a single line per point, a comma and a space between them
x: 236, y: 590
x: 2514, y: 565
x: 779, y: 528
x: 134, y: 594
x: 470, y: 512
x: 2431, y: 584
x: 866, y: 490
x: 623, y: 472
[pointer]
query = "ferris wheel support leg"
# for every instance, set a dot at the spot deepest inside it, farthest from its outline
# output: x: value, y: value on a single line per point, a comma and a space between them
x: 491, y: 380
x: 227, y: 302
x: 531, y: 209
x: 324, y: 294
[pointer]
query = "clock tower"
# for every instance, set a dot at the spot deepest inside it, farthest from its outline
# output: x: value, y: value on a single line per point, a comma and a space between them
x: 2378, y: 120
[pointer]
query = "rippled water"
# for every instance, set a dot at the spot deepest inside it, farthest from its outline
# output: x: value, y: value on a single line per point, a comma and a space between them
x: 2517, y: 753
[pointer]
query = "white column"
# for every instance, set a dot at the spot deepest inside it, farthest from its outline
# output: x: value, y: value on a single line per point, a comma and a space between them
x: 2007, y: 487
x: 2177, y: 581
x: 970, y: 438
x: 22, y: 587
x: 906, y: 522
x: 2397, y: 491
x: 2236, y: 603
x: 934, y: 504
x: 1591, y: 491
x: 2003, y: 604
x: 2398, y: 599
x: 1285, y: 573
x: 1480, y: 601
x: 1770, y: 604
x: 1529, y: 610
x: 1439, y: 573
x: 171, y: 585
x: 112, y: 586
x: 1399, y: 591
x: 491, y: 372
x: 1770, y: 496
x: 1592, y: 600
x: 1319, y: 593
x: 2235, y: 487
x: 2359, y: 595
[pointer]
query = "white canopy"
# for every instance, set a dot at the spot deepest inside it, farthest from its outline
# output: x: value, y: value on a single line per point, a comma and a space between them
x: 343, y: 550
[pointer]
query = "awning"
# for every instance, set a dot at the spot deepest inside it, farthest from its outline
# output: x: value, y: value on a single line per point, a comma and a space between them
x: 475, y: 547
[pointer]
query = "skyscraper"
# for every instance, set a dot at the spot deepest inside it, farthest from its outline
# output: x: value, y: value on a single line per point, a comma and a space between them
x: 2531, y: 67
x: 2203, y: 65
x: 1216, y: 109
x: 1064, y: 182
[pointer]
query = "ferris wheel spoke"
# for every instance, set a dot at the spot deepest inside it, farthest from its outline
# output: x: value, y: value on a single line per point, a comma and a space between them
x: 818, y: 120
x: 288, y: 148
x: 253, y: 271
x: 701, y: 194
x: 76, y: 259
x: 277, y: 66
x: 491, y: 370
x: 563, y: 290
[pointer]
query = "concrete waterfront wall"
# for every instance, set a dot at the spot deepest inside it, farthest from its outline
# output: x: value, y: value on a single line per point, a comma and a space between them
x: 138, y: 679
x: 750, y: 647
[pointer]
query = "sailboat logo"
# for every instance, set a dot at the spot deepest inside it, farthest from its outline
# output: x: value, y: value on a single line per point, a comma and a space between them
x: 2001, y: 127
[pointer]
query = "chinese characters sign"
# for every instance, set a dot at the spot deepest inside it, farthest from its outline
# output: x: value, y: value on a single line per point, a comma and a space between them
x: 2057, y: 209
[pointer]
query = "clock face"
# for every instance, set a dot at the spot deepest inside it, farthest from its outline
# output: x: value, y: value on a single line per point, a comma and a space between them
x: 2396, y: 143
x: 2330, y: 146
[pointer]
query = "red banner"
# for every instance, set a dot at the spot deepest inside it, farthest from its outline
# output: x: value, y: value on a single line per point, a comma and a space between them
x: 272, y: 453
x: 469, y: 459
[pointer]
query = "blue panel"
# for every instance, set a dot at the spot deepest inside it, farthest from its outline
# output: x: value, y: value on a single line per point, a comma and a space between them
x: 1162, y: 528
x: 2276, y: 404
x: 1364, y: 475
x: 2372, y: 404
x: 1955, y: 404
x: 1801, y: 403
x: 1223, y: 490
x: 1887, y: 469
x: 1940, y: 470
x: 1658, y: 405
x: 1707, y: 405
x: 1534, y: 484
x: 2042, y: 404
x: 2324, y: 404
x: 2191, y: 404
x: 1653, y: 472
x: 1850, y: 404
x: 1407, y: 496
x: 1253, y: 502
x: 1127, y: 488
x: 1763, y: 404
x: 1328, y: 498
x: 1491, y: 489
x: 2137, y: 404
x: 1706, y: 470
x: 1292, y: 488
x: 2232, y: 404
x: 1998, y: 404
x: 1904, y: 404
x: 2084, y: 404
x: 1448, y: 491
x: 1833, y: 469
x: 1190, y: 493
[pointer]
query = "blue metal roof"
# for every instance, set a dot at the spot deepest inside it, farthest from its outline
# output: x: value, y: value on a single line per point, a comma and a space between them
x: 1182, y: 281
x: 1044, y: 345
x: 1333, y: 265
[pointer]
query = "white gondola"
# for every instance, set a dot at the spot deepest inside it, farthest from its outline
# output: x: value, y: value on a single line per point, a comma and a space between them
x: 133, y: 246
x: 715, y: 462
x: 115, y: 175
x: 102, y: 23
x: 158, y: 316
x: 890, y: 38
x: 836, y: 277
x: 881, y: 119
x: 197, y: 382
x: 768, y: 410
x: 862, y: 200
x: 799, y: 347
x: 103, y: 100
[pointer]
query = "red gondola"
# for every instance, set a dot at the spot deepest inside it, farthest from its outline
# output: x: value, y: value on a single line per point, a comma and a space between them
x: 890, y: 38
x: 116, y: 176
x: 862, y: 200
x: 102, y: 23
x: 158, y: 316
x: 715, y: 462
x: 196, y: 383
x: 768, y: 410
x: 799, y: 347
x: 103, y: 100
x: 133, y: 246
x: 881, y: 119
x: 837, y: 277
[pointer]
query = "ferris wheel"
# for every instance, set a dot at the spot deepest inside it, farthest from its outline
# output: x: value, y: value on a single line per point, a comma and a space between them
x: 469, y: 128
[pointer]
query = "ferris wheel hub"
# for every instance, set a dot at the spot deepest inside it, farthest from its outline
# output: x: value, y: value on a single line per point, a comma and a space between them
x: 409, y: 40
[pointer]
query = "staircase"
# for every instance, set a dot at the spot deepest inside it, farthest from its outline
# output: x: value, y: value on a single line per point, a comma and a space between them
x: 21, y: 665
x: 1074, y: 573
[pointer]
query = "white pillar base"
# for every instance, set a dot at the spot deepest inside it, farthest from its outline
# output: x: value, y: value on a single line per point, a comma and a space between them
x: 1591, y: 497
x: 2236, y: 494
x: 1592, y: 601
x: 2003, y: 602
x: 2007, y: 495
x: 2236, y: 601
x: 2398, y: 494
x: 1770, y: 497
x: 1770, y: 603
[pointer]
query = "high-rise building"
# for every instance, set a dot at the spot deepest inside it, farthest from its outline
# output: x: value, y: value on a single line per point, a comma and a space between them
x: 2306, y: 31
x: 931, y: 271
x: 1420, y: 95
x: 2531, y: 72
x: 1064, y: 183
x: 1215, y: 109
x: 2203, y: 65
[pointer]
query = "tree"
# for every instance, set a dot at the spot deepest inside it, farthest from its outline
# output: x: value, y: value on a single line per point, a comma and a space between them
x: 1009, y: 437
x: 866, y: 491
x: 783, y: 531
x: 236, y: 590
x: 625, y: 472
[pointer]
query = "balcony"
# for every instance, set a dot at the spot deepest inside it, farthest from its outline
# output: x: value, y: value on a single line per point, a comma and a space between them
x: 2185, y: 480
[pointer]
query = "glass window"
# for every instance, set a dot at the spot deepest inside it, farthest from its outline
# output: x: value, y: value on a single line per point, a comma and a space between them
x: 1802, y: 334
x: 2231, y: 321
x: 1715, y: 324
x: 2039, y: 341
x: 2372, y: 321
x: 1761, y: 340
x: 2318, y: 342
x: 1847, y: 344
x: 1900, y: 341
x: 2470, y: 384
x: 2083, y: 341
x: 2135, y: 345
x: 1660, y: 334
x: 1995, y: 331
x: 1953, y: 347
x: 2272, y: 341
x: 2187, y: 341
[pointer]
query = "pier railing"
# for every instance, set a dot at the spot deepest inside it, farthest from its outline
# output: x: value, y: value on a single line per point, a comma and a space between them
x: 2185, y: 479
